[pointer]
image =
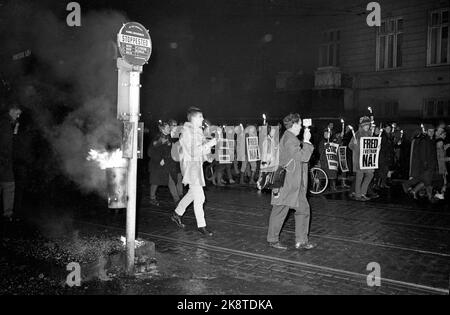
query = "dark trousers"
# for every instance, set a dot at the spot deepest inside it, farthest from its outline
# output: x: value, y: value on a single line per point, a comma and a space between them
x: 302, y: 219
x: 7, y: 190
x: 174, y: 190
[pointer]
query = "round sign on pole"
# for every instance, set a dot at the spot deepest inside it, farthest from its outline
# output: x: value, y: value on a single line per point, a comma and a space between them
x: 135, y: 44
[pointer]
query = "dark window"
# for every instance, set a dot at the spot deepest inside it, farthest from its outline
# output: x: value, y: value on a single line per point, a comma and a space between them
x: 389, y: 44
x: 438, y: 43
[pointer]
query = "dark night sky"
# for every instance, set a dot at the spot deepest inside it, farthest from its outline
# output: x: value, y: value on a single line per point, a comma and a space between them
x: 220, y: 55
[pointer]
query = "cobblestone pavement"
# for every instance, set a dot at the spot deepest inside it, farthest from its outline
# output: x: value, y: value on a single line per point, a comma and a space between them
x: 410, y: 242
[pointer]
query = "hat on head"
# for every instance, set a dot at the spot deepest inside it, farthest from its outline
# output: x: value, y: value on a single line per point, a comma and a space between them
x: 365, y: 121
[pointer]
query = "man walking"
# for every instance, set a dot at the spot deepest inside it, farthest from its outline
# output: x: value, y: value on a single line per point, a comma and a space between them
x: 295, y: 157
x: 194, y: 151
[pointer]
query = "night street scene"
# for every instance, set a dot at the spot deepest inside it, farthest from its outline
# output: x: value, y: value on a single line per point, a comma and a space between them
x: 224, y: 152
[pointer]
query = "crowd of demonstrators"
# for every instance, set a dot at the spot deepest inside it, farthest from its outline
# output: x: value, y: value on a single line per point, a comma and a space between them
x: 180, y: 158
x: 422, y: 162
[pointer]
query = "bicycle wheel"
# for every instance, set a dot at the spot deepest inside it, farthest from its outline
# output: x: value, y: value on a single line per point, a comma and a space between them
x: 318, y: 182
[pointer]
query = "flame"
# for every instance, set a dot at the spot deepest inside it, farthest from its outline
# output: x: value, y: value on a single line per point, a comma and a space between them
x: 342, y: 121
x: 107, y: 159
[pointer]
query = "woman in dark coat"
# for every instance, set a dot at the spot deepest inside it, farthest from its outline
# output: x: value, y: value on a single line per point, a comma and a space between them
x: 162, y: 168
x: 386, y: 160
x: 424, y: 164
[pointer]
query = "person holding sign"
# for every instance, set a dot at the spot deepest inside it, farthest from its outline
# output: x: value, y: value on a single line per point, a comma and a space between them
x: 294, y: 156
x: 363, y: 176
x: 329, y: 160
x: 195, y: 150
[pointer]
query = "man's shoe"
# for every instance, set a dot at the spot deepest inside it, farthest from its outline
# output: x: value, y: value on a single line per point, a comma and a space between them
x: 177, y: 219
x: 372, y: 196
x: 361, y: 199
x: 205, y: 231
x: 306, y: 245
x: 277, y: 245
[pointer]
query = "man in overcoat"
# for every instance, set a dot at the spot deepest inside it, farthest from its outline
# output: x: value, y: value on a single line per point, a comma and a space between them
x: 295, y: 156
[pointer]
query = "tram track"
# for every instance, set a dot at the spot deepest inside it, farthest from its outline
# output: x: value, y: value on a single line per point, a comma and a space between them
x: 345, y: 217
x: 332, y: 237
x: 328, y: 270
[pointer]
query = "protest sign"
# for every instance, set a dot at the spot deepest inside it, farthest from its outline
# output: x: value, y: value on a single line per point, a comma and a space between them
x: 331, y: 152
x: 369, y: 152
x: 253, y: 149
x: 343, y: 159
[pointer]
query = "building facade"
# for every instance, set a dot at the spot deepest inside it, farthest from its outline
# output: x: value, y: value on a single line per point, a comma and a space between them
x: 400, y: 69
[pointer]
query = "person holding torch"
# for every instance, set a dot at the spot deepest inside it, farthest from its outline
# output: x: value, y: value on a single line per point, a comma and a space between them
x: 363, y: 177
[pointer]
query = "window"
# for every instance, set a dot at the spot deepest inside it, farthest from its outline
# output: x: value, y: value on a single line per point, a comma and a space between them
x: 330, y: 48
x: 387, y: 109
x: 389, y: 44
x: 436, y: 108
x: 438, y: 43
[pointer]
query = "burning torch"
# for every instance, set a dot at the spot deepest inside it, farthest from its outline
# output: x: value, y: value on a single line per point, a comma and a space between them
x: 264, y: 117
x: 353, y: 132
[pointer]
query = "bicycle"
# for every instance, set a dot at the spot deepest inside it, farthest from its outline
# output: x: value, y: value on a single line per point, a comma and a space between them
x: 319, y: 180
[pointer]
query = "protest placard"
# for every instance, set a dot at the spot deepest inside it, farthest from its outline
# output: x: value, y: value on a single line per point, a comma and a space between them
x: 331, y: 152
x: 369, y: 152
x: 343, y: 159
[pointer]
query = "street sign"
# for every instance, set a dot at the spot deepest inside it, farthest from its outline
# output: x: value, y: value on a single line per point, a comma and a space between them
x: 22, y: 54
x: 135, y: 44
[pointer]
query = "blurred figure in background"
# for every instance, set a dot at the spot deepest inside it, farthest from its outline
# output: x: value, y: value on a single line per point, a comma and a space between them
x: 442, y: 160
x: 175, y: 154
x: 8, y: 127
x: 162, y: 167
x: 424, y: 164
x: 386, y: 159
x: 323, y: 146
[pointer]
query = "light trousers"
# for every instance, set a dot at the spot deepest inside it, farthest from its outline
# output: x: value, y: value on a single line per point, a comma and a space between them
x: 362, y: 182
x: 196, y: 195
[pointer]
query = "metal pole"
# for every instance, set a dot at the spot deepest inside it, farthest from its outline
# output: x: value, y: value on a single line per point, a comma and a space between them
x: 132, y: 171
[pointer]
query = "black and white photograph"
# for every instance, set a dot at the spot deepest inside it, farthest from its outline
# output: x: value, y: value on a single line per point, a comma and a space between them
x: 220, y: 155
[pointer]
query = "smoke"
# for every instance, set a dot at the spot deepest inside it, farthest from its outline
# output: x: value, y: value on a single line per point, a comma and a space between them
x: 72, y: 89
